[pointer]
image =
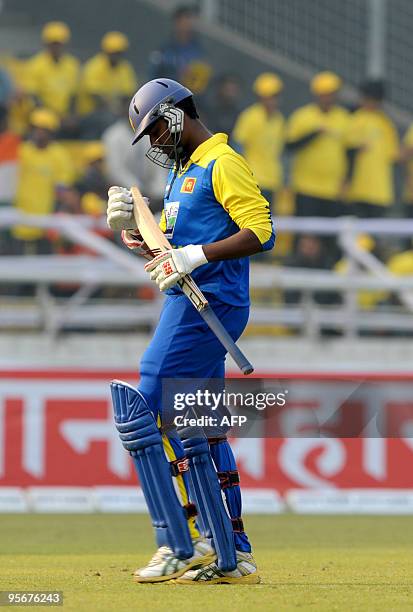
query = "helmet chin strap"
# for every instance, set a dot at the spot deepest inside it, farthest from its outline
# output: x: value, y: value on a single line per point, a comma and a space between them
x: 181, y: 156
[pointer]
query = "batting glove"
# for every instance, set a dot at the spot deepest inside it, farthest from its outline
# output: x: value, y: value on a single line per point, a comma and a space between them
x: 168, y: 268
x: 120, y: 209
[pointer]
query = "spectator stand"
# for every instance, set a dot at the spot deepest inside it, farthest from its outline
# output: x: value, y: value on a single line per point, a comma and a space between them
x: 113, y: 266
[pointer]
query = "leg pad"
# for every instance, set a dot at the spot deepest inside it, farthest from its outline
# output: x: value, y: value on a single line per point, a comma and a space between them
x: 140, y: 436
x: 208, y: 497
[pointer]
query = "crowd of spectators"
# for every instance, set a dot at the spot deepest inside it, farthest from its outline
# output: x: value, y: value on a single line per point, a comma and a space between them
x: 65, y: 137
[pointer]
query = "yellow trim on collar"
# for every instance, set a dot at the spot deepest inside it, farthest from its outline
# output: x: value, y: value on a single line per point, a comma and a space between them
x: 207, y: 145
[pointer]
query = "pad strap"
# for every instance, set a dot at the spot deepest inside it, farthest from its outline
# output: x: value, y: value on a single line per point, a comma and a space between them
x: 179, y: 466
x: 212, y: 441
x: 237, y: 525
x: 191, y: 510
x: 228, y: 479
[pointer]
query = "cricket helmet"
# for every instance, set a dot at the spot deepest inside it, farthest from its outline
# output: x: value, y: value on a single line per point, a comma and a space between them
x: 150, y: 101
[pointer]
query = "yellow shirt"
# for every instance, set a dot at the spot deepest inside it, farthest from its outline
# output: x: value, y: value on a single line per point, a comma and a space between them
x: 372, y: 180
x: 54, y: 83
x: 41, y: 171
x: 110, y: 82
x: 320, y: 166
x: 262, y: 139
x: 408, y: 185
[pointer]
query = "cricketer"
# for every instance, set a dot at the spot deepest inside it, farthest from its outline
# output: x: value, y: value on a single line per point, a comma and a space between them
x: 215, y: 217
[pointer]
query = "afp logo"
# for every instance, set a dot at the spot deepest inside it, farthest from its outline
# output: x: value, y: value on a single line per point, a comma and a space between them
x: 188, y: 185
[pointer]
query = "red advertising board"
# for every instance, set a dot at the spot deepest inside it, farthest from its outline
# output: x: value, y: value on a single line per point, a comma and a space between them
x: 56, y: 429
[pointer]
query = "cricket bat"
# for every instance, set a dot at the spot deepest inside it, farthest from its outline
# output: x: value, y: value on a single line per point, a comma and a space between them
x: 157, y: 242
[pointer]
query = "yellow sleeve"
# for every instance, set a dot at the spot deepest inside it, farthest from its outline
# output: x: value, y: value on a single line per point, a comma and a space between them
x: 32, y: 70
x: 408, y: 137
x: 344, y: 126
x: 300, y: 124
x: 354, y: 135
x: 92, y: 77
x: 242, y: 128
x: 63, y: 167
x: 129, y: 80
x: 236, y: 190
x: 74, y: 71
x: 393, y: 141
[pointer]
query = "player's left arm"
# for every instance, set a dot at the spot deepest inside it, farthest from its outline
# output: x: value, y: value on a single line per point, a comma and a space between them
x: 237, y: 192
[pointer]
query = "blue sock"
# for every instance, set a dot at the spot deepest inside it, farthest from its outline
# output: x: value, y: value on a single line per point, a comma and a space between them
x: 225, y: 462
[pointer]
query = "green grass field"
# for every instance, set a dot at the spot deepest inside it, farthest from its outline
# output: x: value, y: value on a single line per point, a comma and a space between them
x: 306, y: 562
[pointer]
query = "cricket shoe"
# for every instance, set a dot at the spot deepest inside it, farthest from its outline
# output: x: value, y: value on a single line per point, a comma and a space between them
x: 160, y: 554
x: 244, y: 573
x: 165, y: 566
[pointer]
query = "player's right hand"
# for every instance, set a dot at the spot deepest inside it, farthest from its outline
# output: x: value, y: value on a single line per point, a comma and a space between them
x: 120, y: 209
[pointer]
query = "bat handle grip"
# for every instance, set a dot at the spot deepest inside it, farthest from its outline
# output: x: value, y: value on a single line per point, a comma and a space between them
x: 223, y: 336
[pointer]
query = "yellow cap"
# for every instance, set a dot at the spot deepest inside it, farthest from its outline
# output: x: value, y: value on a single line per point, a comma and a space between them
x: 93, y: 151
x: 114, y: 42
x: 365, y: 242
x: 325, y: 83
x: 267, y: 84
x: 44, y: 118
x: 56, y: 31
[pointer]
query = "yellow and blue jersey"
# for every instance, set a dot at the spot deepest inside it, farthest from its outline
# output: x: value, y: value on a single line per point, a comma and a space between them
x: 213, y: 197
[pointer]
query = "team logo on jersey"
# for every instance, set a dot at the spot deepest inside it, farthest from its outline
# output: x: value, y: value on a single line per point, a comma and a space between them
x: 188, y: 185
x: 171, y: 215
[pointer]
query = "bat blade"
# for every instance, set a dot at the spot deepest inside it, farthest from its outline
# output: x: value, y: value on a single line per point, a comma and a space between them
x: 157, y: 242
x: 147, y: 225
